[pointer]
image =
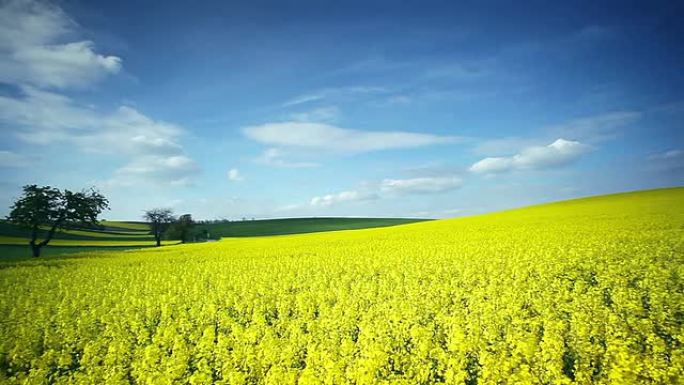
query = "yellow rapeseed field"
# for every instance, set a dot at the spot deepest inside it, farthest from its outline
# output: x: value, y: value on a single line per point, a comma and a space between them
x: 588, y: 291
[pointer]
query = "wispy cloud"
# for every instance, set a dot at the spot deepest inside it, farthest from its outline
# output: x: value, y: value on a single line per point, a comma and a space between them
x: 38, y: 56
x: 234, y: 175
x: 668, y: 155
x: 558, y: 153
x: 675, y: 107
x: 329, y: 138
x: 32, y: 50
x: 344, y: 196
x: 387, y: 188
x: 10, y: 159
x: 597, y: 128
x: 301, y: 99
x: 152, y: 147
x: 321, y: 114
x: 448, y: 213
x: 588, y: 129
x: 668, y: 160
x: 334, y: 93
x: 422, y: 185
x: 176, y: 170
x: 277, y: 158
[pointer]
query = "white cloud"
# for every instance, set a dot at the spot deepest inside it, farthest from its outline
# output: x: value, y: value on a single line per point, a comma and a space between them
x: 386, y: 188
x: 234, y: 175
x: 33, y: 48
x: 44, y: 117
x: 492, y: 165
x: 152, y: 147
x: 448, y: 213
x: 12, y: 159
x: 344, y: 196
x: 329, y: 138
x: 558, y: 153
x: 590, y: 129
x: 422, y: 185
x: 156, y: 145
x: 40, y: 52
x: 175, y: 170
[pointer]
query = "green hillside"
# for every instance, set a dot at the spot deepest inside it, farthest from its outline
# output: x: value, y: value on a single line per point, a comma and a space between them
x: 111, y: 235
x: 7, y: 229
x: 125, y: 226
x: 10, y: 253
x: 125, y: 234
x: 286, y: 226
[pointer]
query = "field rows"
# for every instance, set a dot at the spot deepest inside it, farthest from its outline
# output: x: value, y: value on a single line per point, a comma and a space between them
x: 5, y: 240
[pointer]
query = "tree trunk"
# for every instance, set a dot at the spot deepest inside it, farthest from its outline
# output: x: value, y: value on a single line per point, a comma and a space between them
x: 158, y: 239
x: 49, y: 236
x: 35, y: 249
x: 51, y: 233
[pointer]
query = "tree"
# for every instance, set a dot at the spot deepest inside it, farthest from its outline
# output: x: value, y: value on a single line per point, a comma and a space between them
x: 159, y: 220
x: 181, y: 228
x: 55, y: 209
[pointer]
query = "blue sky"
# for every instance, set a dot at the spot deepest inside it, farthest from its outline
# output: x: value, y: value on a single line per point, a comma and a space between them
x: 277, y: 108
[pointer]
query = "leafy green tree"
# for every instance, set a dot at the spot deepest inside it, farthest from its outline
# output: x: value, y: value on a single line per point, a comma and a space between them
x: 159, y: 219
x: 181, y: 228
x: 56, y: 209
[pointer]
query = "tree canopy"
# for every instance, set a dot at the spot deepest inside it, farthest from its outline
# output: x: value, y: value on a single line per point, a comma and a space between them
x: 181, y: 228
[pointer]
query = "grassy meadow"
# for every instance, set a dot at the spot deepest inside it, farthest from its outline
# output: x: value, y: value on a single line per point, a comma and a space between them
x: 588, y: 291
x: 119, y: 235
x: 111, y: 236
x: 286, y: 226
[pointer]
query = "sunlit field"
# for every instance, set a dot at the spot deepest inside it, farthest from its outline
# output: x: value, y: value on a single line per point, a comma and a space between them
x: 588, y: 291
x: 118, y: 234
x: 14, y: 239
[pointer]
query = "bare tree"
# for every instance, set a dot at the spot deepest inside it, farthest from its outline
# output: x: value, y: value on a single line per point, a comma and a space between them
x: 159, y: 220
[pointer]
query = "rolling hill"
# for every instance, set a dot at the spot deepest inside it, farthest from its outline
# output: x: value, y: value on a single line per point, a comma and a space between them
x: 111, y: 236
x: 129, y: 234
x: 284, y: 226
